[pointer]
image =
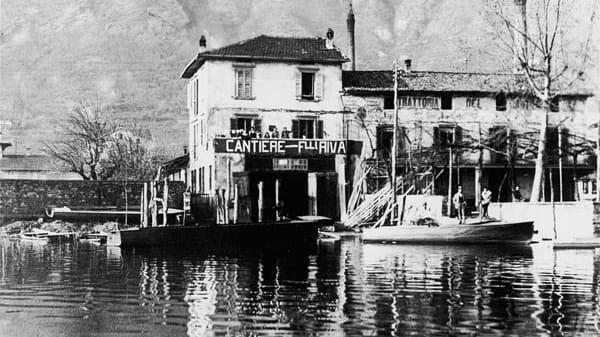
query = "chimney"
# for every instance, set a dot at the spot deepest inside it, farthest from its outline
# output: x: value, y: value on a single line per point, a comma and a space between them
x: 350, y: 25
x: 408, y: 65
x: 329, y: 40
x: 185, y: 151
x: 202, y: 44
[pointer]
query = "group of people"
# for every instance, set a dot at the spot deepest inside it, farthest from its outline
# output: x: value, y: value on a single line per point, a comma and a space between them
x: 458, y: 200
x: 252, y: 133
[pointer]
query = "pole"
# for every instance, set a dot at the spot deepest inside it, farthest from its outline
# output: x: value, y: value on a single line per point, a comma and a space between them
x: 450, y: 181
x: 395, y: 137
x: 560, y: 165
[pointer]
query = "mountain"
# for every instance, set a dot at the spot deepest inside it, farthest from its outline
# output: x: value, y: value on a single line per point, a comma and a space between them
x: 128, y: 54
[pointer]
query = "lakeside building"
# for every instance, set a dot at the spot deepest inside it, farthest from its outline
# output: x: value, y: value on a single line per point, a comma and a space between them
x: 266, y: 128
x: 487, y: 124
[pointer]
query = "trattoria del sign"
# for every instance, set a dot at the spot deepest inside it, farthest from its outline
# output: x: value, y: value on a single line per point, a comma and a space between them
x: 286, y: 146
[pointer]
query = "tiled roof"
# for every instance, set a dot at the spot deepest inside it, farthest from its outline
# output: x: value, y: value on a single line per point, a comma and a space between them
x: 175, y: 165
x: 383, y: 80
x: 271, y: 48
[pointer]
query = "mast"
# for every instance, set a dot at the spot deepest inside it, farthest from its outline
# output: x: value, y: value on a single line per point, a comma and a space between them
x: 394, y: 142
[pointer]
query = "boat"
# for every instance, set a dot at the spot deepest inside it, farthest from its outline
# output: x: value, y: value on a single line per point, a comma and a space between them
x: 35, y: 235
x: 96, y: 237
x: 131, y: 214
x: 472, y: 232
x: 298, y: 231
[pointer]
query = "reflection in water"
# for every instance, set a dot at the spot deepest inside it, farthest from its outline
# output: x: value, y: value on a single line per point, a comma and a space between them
x: 343, y: 288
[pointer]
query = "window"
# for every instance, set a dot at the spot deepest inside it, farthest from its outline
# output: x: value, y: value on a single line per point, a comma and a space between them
x: 309, y: 85
x: 202, y: 190
x: 307, y: 128
x: 243, y: 81
x: 195, y: 140
x: 501, y: 102
x: 201, y: 131
x: 245, y: 123
x: 388, y: 101
x: 209, y: 178
x: 446, y: 101
x: 473, y: 103
x: 555, y: 104
x: 195, y: 96
x: 385, y: 140
x: 446, y: 135
x: 194, y: 181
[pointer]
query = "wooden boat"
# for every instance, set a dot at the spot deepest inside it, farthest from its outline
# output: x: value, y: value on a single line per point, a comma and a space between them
x: 265, y: 233
x: 36, y: 235
x: 492, y: 231
x: 98, y: 238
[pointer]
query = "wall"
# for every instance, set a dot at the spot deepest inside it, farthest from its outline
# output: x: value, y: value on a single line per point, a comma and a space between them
x: 28, y: 199
x: 572, y: 219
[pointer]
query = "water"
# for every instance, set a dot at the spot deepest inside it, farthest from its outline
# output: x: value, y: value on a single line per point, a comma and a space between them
x: 337, y: 289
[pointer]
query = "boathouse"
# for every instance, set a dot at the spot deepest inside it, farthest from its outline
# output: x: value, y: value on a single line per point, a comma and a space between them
x: 266, y: 129
x: 461, y: 128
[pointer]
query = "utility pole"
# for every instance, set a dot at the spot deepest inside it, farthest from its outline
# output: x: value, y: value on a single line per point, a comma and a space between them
x: 394, y: 141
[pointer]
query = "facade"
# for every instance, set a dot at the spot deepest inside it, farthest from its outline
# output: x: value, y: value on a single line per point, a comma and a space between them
x: 487, y: 124
x: 266, y: 128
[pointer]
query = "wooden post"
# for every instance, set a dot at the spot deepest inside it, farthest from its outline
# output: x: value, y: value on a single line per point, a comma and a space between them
x: 560, y: 164
x: 276, y: 199
x: 235, y: 203
x: 165, y: 202
x: 340, y: 168
x: 153, y: 203
x: 260, y: 201
x: 144, y: 206
x: 394, y: 140
x: 312, y: 193
x: 450, y: 181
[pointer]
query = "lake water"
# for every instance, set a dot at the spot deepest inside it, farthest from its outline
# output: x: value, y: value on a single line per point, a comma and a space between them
x: 337, y: 289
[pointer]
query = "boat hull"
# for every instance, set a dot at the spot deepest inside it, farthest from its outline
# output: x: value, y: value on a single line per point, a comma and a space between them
x: 495, y: 232
x: 296, y: 232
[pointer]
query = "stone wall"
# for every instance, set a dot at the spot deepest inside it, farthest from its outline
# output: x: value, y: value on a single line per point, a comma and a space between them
x: 29, y: 199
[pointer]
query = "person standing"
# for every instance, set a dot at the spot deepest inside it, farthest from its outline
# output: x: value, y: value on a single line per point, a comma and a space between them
x: 486, y: 198
x: 459, y: 203
x: 516, y: 195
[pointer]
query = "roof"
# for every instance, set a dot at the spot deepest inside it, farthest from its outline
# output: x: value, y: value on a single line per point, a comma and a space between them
x: 271, y: 48
x: 383, y: 80
x: 175, y: 165
x: 16, y: 162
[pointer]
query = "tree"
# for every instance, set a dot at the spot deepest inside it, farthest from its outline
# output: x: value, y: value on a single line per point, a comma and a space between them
x: 97, y: 148
x: 86, y: 134
x: 540, y: 36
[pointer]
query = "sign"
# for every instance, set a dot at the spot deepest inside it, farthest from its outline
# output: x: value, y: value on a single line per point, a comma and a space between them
x: 290, y: 164
x: 419, y: 102
x: 286, y: 146
x: 187, y: 201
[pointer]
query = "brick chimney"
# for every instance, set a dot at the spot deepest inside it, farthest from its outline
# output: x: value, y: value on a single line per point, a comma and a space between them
x: 350, y: 22
x: 408, y: 65
x: 202, y: 44
x: 329, y: 39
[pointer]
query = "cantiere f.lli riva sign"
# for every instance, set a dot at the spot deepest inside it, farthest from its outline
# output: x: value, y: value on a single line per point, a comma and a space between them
x: 286, y: 146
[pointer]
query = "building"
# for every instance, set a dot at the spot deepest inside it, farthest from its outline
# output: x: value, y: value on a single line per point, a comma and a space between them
x: 487, y: 124
x: 266, y: 135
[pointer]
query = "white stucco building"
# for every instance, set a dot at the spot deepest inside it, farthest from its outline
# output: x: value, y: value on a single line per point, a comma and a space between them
x: 286, y: 89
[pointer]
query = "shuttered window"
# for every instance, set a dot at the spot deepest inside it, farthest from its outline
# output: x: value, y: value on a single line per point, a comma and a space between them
x: 309, y: 85
x: 307, y: 128
x: 243, y: 83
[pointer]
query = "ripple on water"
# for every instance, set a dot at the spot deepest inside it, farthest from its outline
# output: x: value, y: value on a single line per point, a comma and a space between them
x: 343, y: 289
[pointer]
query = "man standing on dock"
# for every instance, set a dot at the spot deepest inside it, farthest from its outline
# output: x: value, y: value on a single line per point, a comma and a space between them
x: 486, y: 198
x: 459, y: 203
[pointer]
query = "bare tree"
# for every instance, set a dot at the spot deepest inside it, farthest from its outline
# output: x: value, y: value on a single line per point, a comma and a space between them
x: 541, y: 37
x: 86, y: 134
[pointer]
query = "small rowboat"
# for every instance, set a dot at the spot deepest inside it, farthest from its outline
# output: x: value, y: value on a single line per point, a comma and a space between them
x: 470, y: 233
x: 36, y: 235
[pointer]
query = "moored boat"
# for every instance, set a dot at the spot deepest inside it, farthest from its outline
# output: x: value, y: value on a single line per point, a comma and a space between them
x: 35, y: 235
x: 270, y: 233
x: 473, y: 233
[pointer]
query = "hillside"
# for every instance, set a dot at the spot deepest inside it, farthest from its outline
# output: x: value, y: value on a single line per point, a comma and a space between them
x: 128, y: 54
